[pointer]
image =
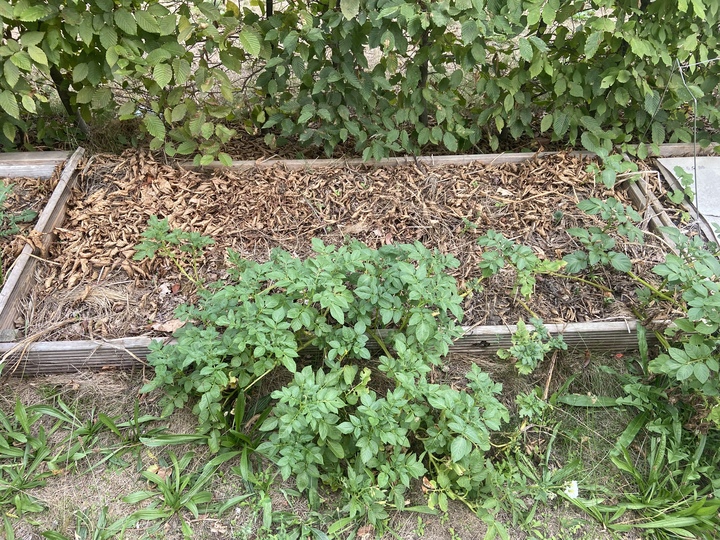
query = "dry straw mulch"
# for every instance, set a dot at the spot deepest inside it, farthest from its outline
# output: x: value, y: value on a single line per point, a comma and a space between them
x: 26, y: 194
x: 95, y: 279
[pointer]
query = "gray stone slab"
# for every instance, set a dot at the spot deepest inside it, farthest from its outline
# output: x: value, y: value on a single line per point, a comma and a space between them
x: 708, y: 183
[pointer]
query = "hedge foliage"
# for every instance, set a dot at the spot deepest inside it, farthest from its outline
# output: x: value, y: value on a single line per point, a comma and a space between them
x: 389, y: 75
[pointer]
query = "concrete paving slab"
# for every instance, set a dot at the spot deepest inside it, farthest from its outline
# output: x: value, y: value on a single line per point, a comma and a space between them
x: 708, y: 184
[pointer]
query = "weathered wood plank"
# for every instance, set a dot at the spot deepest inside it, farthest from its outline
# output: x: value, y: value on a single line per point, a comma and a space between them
x: 45, y: 358
x: 428, y: 161
x: 30, y: 164
x: 666, y: 150
x: 645, y: 202
x: 19, y: 279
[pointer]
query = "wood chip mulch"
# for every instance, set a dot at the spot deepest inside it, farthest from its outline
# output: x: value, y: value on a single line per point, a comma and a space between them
x: 93, y: 278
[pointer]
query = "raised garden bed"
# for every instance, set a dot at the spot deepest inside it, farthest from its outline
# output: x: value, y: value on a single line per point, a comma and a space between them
x: 38, y: 186
x: 85, y: 304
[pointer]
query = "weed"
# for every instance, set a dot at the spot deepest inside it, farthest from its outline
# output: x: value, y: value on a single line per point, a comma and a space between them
x: 529, y: 348
x: 180, y: 247
x: 24, y: 455
x: 9, y: 221
x: 176, y: 489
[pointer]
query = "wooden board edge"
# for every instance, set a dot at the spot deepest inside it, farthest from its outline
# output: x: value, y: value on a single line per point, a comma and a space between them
x: 32, y: 164
x: 45, y: 358
x: 665, y: 150
x: 18, y: 280
x: 430, y: 161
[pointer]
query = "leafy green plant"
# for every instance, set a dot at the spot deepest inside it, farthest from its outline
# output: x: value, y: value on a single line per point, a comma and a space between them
x: 24, y: 455
x: 179, y: 490
x: 182, y: 248
x: 598, y: 242
x: 687, y: 182
x: 91, y: 527
x: 139, y: 60
x: 529, y: 348
x: 501, y: 251
x: 452, y: 73
x: 691, y: 342
x: 9, y: 221
x: 531, y: 405
x: 675, y: 483
x: 368, y: 427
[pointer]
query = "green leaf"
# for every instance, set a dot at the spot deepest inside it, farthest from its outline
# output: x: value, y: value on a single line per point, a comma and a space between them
x: 652, y: 102
x: 179, y: 112
x: 182, y: 69
x: 225, y: 159
x: 30, y: 13
x: 592, y: 44
x: 526, y: 51
x: 154, y: 126
x: 31, y: 38
x: 250, y: 41
x: 11, y: 72
x: 546, y: 123
x: 469, y: 31
x: 85, y: 94
x: 620, y: 261
x: 423, y: 331
x: 658, y: 133
x: 125, y: 21
x: 350, y: 8
x: 147, y: 22
x: 701, y: 372
x: 10, y: 131
x: 79, y: 72
x: 9, y: 104
x: 37, y: 54
x: 450, y: 142
x: 164, y: 440
x: 460, y: 448
x: 162, y: 75
x: 101, y: 98
x: 561, y: 123
x: 622, y: 97
x: 591, y: 124
x: 685, y: 372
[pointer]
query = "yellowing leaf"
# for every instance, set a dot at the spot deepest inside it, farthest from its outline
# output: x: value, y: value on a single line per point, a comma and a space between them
x: 29, y: 104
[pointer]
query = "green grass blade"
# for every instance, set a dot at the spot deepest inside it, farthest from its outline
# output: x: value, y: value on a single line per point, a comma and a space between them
x: 583, y: 400
x: 165, y: 440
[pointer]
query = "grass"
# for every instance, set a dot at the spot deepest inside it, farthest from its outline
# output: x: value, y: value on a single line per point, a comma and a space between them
x: 85, y: 457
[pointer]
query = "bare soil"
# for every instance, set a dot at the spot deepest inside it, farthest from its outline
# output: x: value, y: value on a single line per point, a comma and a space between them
x: 94, y: 283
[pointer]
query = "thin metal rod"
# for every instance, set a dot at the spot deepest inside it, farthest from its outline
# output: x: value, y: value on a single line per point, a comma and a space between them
x: 695, y: 115
x: 702, y: 63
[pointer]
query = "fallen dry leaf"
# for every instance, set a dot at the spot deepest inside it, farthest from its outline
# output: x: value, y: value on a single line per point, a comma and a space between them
x: 168, y: 326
